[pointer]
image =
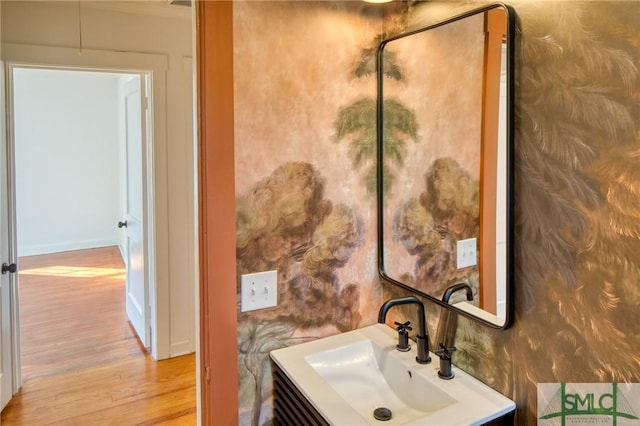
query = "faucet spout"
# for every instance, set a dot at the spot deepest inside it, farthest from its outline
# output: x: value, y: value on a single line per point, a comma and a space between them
x: 422, y: 337
x: 456, y: 287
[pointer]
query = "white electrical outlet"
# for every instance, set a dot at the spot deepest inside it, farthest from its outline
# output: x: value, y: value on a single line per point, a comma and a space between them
x: 258, y: 291
x: 466, y: 253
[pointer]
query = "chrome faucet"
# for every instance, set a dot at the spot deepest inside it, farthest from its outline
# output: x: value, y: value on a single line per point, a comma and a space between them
x: 422, y: 337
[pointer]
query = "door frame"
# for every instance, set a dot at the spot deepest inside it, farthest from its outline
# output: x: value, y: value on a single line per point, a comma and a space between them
x: 218, y: 351
x: 155, y: 65
x: 11, y: 256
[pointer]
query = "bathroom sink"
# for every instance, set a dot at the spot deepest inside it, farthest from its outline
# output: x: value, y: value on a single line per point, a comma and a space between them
x: 360, y: 378
x: 368, y: 377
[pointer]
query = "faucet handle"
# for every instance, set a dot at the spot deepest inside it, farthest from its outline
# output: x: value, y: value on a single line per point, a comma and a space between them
x: 401, y: 326
x: 403, y: 336
x: 444, y: 353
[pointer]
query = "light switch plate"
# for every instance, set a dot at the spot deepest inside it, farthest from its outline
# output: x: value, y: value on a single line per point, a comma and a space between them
x: 466, y: 253
x: 258, y: 291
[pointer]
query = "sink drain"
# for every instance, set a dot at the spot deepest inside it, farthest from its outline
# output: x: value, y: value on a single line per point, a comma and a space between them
x: 383, y: 414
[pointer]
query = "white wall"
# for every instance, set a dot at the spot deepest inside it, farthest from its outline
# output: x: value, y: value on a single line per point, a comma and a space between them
x: 66, y: 144
x: 55, y: 25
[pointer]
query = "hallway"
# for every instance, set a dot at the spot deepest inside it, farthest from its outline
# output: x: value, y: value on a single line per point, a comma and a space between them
x: 81, y: 361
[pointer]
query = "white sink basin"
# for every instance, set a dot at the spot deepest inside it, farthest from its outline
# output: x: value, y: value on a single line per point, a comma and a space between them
x: 348, y: 376
x: 367, y: 377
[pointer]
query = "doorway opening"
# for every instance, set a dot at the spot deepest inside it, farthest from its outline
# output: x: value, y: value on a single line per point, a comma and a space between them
x: 148, y: 40
x: 80, y: 161
x: 80, y: 153
x: 79, y: 174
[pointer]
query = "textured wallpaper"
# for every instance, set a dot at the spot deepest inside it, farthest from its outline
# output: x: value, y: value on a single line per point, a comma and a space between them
x: 577, y: 285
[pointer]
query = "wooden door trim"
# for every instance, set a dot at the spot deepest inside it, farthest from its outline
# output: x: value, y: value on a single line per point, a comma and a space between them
x: 495, y: 32
x: 216, y: 213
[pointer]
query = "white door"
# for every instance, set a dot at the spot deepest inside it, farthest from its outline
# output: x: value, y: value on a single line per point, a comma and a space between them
x: 9, y: 362
x: 133, y: 224
x: 5, y: 297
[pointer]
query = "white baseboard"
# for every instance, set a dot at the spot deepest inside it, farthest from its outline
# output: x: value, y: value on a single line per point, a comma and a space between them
x: 182, y: 348
x: 27, y: 250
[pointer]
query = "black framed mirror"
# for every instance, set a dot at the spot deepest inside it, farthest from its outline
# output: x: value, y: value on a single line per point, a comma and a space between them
x: 445, y: 155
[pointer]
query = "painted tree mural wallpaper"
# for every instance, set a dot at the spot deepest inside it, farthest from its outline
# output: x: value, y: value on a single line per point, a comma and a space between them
x: 288, y: 221
x: 429, y: 225
x: 305, y: 207
x: 432, y: 197
x: 286, y: 224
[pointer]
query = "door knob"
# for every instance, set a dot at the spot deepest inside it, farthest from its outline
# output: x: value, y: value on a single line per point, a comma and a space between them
x: 9, y: 267
x: 122, y: 224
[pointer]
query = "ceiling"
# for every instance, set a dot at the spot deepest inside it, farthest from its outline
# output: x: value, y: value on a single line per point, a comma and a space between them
x: 167, y: 8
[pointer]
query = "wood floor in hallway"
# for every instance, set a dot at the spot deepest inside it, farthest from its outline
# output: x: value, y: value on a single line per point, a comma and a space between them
x: 81, y: 361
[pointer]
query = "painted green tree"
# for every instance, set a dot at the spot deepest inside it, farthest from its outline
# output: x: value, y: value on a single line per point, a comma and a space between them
x: 356, y: 123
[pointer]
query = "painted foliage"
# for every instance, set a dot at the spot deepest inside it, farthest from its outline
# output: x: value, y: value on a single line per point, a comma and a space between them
x: 431, y: 198
x: 299, y: 209
x: 286, y: 224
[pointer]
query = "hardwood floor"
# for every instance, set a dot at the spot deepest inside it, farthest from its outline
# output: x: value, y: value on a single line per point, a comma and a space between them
x: 81, y: 361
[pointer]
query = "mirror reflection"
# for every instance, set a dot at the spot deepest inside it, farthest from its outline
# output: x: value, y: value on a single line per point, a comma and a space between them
x: 444, y: 149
